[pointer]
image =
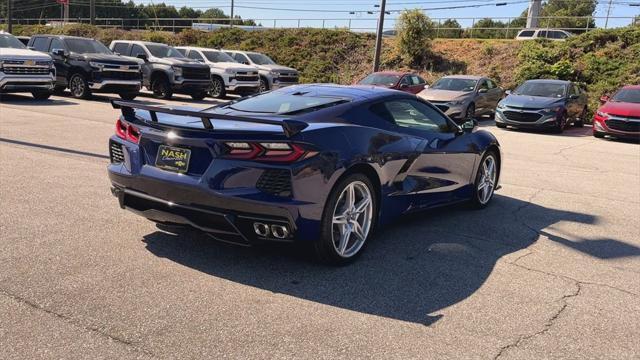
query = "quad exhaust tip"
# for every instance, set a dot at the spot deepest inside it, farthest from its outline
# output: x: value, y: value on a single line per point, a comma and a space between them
x: 264, y: 230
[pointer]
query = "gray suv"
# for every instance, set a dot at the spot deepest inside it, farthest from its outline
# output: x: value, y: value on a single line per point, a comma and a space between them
x: 165, y: 70
x: 463, y: 97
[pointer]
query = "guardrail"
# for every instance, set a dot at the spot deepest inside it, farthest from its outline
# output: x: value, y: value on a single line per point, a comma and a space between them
x: 468, y: 24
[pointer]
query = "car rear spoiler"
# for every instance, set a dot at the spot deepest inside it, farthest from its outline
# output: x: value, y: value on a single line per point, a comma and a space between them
x: 290, y: 127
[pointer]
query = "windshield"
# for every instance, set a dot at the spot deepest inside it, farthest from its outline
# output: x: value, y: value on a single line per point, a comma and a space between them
x: 261, y: 59
x: 86, y: 46
x: 277, y: 103
x: 380, y: 79
x: 453, y: 84
x: 217, y: 56
x: 542, y: 89
x: 627, y: 95
x: 164, y: 51
x: 10, y: 41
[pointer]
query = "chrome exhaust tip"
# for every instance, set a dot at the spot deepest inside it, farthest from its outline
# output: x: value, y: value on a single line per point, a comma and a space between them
x: 279, y: 231
x: 261, y: 229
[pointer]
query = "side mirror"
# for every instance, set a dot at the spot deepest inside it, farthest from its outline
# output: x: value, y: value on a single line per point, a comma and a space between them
x: 604, y: 99
x: 60, y: 52
x: 574, y: 97
x: 403, y: 86
x: 483, y: 91
x: 142, y: 57
x: 31, y: 48
x: 507, y: 92
x: 426, y: 86
x: 468, y: 126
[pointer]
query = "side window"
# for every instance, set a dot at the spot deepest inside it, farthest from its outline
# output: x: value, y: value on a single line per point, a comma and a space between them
x: 484, y: 84
x: 421, y: 81
x: 526, y: 33
x: 137, y: 50
x: 240, y: 58
x: 195, y: 55
x: 416, y: 80
x: 561, y: 35
x: 121, y: 48
x: 412, y: 114
x: 405, y: 80
x: 542, y: 33
x: 491, y: 84
x: 56, y: 44
x: 182, y: 51
x: 41, y: 44
x: 575, y: 90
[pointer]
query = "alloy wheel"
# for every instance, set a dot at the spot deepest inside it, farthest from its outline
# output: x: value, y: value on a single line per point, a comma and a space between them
x: 77, y: 86
x: 487, y: 182
x: 216, y: 88
x: 263, y: 86
x: 352, y: 219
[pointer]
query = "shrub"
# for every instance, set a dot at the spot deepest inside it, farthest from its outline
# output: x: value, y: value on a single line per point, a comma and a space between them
x: 413, y: 28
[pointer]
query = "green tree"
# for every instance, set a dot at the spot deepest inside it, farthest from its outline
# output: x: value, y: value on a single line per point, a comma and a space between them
x: 576, y: 11
x: 487, y: 29
x: 449, y: 29
x: 189, y: 13
x: 413, y: 33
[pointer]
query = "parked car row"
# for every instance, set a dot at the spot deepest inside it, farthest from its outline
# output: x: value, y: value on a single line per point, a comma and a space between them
x: 86, y: 66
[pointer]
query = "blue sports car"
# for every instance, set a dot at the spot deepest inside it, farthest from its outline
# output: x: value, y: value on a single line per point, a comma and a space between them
x: 325, y: 164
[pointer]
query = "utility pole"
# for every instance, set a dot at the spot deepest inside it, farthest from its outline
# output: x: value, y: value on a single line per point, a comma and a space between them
x: 606, y: 22
x: 376, y: 56
x: 9, y: 16
x: 231, y: 22
x: 92, y: 12
x: 533, y: 16
x: 66, y: 12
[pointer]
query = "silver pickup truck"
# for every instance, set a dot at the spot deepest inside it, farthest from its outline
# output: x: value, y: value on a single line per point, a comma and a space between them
x: 24, y: 70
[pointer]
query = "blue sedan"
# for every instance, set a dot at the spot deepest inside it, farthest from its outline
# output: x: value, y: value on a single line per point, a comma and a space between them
x: 323, y: 164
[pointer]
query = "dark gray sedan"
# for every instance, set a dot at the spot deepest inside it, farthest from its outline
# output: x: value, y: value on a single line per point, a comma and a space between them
x: 464, y: 97
x: 543, y: 104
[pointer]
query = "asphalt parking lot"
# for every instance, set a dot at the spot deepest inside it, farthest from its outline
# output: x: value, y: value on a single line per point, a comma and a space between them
x: 551, y: 269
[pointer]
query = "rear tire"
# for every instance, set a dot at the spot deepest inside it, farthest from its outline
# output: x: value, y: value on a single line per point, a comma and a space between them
x: 598, y: 135
x: 128, y: 96
x: 199, y: 95
x: 501, y: 125
x: 79, y: 87
x: 348, y: 221
x: 161, y: 88
x: 41, y: 95
x: 580, y: 121
x: 486, y: 180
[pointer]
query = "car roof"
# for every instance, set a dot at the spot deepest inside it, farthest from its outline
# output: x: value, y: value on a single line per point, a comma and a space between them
x: 470, y: 77
x: 391, y: 72
x: 139, y: 42
x: 551, y: 81
x: 241, y: 51
x: 634, y: 87
x: 63, y: 36
x: 355, y: 92
x: 197, y: 48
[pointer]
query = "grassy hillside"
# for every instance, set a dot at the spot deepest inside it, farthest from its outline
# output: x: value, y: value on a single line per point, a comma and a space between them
x: 602, y: 60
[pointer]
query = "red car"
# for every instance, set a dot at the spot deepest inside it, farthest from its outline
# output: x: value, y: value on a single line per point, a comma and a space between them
x: 619, y: 114
x: 403, y: 81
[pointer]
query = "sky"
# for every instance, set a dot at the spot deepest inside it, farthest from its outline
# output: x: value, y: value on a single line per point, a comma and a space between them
x: 336, y: 13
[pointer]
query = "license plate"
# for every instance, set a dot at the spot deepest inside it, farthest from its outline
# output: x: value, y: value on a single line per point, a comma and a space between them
x: 173, y: 158
x: 124, y: 67
x: 29, y: 62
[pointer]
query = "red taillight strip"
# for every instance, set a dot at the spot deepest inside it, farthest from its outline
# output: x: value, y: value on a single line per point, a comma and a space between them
x: 268, y: 152
x: 127, y: 131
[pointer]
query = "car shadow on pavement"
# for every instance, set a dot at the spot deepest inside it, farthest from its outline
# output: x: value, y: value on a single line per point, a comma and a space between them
x: 410, y: 271
x: 28, y: 100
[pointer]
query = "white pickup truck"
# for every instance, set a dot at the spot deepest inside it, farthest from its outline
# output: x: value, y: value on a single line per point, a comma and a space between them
x: 227, y: 75
x: 24, y: 70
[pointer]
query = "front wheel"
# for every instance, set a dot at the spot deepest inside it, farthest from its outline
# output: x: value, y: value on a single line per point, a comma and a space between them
x: 470, y: 113
x: 263, y: 85
x: 598, y: 135
x: 486, y: 178
x: 217, y: 88
x: 501, y: 125
x: 161, y: 88
x: 580, y: 120
x: 561, y: 123
x: 79, y: 87
x: 348, y: 220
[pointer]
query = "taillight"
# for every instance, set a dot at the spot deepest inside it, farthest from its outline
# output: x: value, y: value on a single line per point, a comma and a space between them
x: 127, y: 131
x: 267, y: 151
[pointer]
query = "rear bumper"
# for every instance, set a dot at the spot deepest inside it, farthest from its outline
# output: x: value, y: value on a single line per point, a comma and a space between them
x: 10, y: 83
x: 223, y: 201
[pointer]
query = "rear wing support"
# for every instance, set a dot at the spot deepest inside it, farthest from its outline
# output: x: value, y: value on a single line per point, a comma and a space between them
x: 290, y: 127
